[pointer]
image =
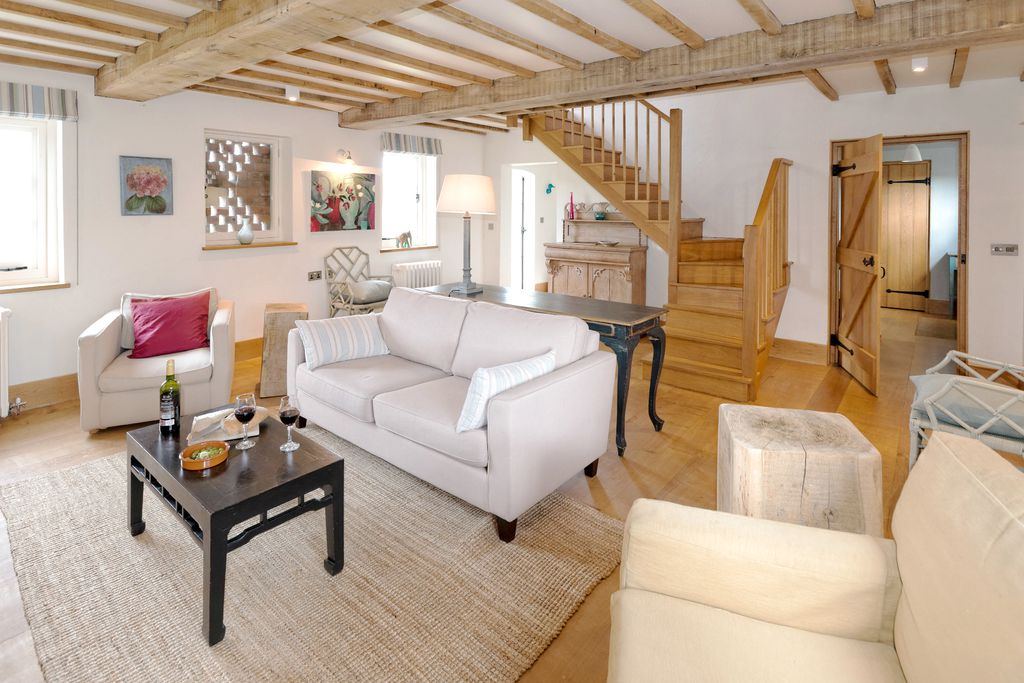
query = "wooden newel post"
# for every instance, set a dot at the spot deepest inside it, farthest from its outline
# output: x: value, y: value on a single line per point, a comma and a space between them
x: 675, y: 189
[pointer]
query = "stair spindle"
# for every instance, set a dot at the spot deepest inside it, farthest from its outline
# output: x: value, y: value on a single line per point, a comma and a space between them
x: 636, y: 148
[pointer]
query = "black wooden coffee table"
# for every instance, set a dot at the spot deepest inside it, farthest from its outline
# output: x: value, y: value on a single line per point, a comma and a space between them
x: 248, y: 485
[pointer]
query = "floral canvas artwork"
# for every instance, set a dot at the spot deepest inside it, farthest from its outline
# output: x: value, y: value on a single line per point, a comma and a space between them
x: 342, y: 201
x: 146, y: 187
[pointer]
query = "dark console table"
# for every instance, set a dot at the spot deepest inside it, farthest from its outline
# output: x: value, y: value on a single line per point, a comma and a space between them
x: 245, y: 487
x: 620, y: 326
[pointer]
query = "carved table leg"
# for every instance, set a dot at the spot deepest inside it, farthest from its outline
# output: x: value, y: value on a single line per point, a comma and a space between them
x: 623, y: 349
x: 657, y: 337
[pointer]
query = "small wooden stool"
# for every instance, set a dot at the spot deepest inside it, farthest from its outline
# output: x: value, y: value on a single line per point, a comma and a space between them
x: 798, y: 466
x: 278, y: 319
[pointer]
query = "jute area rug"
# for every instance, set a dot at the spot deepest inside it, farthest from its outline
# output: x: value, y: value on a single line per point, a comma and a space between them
x: 428, y: 592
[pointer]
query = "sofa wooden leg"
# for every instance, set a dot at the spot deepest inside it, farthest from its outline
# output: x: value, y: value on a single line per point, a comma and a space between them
x: 591, y: 469
x: 506, y: 530
x: 301, y: 424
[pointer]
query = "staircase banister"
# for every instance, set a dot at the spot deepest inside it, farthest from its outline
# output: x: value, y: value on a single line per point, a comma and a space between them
x: 662, y: 115
x: 769, y: 189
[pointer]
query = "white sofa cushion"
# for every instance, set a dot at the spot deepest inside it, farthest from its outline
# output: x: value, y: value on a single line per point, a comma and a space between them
x: 351, y: 386
x: 660, y: 639
x: 127, y: 329
x: 494, y: 335
x: 959, y: 530
x: 489, y: 382
x: 128, y: 374
x: 427, y: 414
x: 369, y: 291
x: 334, y: 340
x: 423, y: 327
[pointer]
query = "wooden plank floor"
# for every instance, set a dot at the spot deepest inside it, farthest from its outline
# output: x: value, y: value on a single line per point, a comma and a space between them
x: 678, y: 464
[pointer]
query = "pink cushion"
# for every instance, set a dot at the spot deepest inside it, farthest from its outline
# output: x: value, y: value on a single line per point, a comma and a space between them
x: 163, y: 326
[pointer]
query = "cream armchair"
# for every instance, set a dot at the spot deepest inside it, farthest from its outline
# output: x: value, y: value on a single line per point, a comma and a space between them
x: 117, y: 390
x: 710, y: 596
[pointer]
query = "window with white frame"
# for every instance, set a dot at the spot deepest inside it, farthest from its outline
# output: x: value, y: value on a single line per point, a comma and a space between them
x: 31, y: 227
x: 243, y: 187
x: 409, y: 212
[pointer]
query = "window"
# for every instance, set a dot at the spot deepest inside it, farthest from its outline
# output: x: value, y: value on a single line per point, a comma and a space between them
x: 31, y: 229
x: 243, y: 186
x: 410, y: 201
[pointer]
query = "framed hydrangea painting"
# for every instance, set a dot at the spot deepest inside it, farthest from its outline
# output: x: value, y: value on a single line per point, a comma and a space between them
x: 342, y: 201
x: 146, y: 187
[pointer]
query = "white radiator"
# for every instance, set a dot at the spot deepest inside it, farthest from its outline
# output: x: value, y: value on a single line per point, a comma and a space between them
x: 5, y: 372
x: 417, y: 274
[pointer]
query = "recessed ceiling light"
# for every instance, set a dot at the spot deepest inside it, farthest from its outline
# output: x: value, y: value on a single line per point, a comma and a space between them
x: 918, y: 64
x: 291, y: 92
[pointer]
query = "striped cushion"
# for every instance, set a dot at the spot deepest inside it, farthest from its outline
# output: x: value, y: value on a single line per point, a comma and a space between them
x: 337, y: 339
x: 489, y: 382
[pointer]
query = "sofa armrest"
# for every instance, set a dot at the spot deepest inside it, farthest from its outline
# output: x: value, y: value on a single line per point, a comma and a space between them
x: 829, y: 582
x: 296, y: 357
x: 545, y: 431
x: 98, y: 346
x: 222, y: 352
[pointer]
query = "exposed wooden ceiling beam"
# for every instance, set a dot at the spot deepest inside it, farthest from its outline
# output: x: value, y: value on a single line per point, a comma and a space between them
x: 341, y: 62
x: 412, y: 62
x: 442, y: 9
x: 208, y: 5
x: 56, y: 51
x: 478, y: 125
x: 668, y: 22
x: 241, y: 33
x: 76, y: 20
x: 39, y: 32
x: 272, y: 91
x: 570, y: 22
x: 309, y: 85
x: 901, y: 29
x: 762, y: 16
x: 865, y: 8
x: 340, y: 78
x: 956, y: 76
x: 885, y: 75
x: 250, y: 96
x: 445, y: 126
x: 819, y: 82
x: 47, y: 64
x: 123, y: 9
x: 451, y: 48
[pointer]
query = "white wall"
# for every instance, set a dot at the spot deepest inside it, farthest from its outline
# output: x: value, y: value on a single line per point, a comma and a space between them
x: 943, y: 208
x: 164, y: 253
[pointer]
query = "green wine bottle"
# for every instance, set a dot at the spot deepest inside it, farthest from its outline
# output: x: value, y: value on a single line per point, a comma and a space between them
x: 170, y: 403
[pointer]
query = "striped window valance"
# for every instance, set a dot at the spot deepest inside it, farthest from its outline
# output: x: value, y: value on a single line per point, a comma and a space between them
x: 38, y: 102
x: 410, y: 144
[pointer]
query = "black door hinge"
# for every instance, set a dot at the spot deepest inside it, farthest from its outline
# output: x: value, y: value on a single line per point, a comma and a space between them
x: 838, y: 170
x: 920, y: 292
x: 834, y: 341
x: 919, y: 181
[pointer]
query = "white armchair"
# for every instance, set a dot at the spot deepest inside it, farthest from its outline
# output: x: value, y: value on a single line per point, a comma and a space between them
x: 711, y: 596
x: 117, y: 390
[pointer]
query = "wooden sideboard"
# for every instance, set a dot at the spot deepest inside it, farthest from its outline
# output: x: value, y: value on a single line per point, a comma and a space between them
x: 579, y: 266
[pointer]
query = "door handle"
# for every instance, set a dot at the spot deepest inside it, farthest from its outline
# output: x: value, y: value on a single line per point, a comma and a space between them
x: 868, y: 260
x: 883, y: 271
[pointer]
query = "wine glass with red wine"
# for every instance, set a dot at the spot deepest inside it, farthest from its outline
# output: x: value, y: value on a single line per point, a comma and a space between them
x: 245, y: 411
x: 289, y: 414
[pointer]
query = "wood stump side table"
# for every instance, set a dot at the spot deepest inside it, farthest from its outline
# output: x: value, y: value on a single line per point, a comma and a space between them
x: 798, y: 466
x: 278, y: 319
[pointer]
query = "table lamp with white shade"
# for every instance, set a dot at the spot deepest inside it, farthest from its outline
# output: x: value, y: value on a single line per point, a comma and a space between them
x: 466, y: 194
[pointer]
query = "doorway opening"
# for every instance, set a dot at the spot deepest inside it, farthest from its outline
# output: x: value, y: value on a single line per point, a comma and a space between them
x: 921, y: 272
x: 529, y: 219
x: 523, y: 198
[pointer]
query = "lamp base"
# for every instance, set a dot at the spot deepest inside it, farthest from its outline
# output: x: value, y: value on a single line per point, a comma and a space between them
x: 466, y: 289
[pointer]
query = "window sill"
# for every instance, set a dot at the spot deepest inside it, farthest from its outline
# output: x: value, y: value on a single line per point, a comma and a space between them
x: 394, y: 249
x: 254, y: 245
x: 14, y: 289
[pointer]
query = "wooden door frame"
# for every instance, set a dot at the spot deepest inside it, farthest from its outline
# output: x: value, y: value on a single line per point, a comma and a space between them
x: 963, y: 183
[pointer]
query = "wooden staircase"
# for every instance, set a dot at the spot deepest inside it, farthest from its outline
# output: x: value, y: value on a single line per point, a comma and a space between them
x: 725, y: 294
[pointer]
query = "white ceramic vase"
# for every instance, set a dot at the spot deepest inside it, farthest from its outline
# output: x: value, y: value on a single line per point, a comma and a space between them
x: 245, y: 235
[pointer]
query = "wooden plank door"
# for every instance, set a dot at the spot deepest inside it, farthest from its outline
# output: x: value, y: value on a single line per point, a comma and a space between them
x: 857, y: 335
x: 906, y: 271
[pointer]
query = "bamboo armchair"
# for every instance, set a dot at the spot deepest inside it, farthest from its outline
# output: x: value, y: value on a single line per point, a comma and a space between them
x: 346, y: 267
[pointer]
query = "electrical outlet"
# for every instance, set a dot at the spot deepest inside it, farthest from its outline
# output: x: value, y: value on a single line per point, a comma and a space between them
x: 1004, y: 249
x: 315, y: 275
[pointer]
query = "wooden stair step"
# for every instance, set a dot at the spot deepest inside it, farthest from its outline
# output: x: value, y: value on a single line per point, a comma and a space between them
x: 711, y: 249
x: 613, y: 172
x: 718, y: 322
x: 554, y: 123
x: 573, y: 138
x: 726, y: 272
x: 589, y: 156
x: 709, y: 378
x: 708, y: 348
x: 635, y: 190
x: 656, y: 209
x: 718, y: 296
x: 689, y: 227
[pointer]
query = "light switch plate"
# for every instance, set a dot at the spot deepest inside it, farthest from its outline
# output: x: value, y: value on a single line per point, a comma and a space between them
x: 1004, y: 249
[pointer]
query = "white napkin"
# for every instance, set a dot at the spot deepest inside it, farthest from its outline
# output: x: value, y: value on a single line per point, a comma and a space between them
x: 221, y: 425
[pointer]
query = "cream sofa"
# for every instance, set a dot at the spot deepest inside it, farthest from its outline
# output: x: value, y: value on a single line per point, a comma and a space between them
x: 117, y: 390
x: 709, y: 596
x: 403, y: 407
